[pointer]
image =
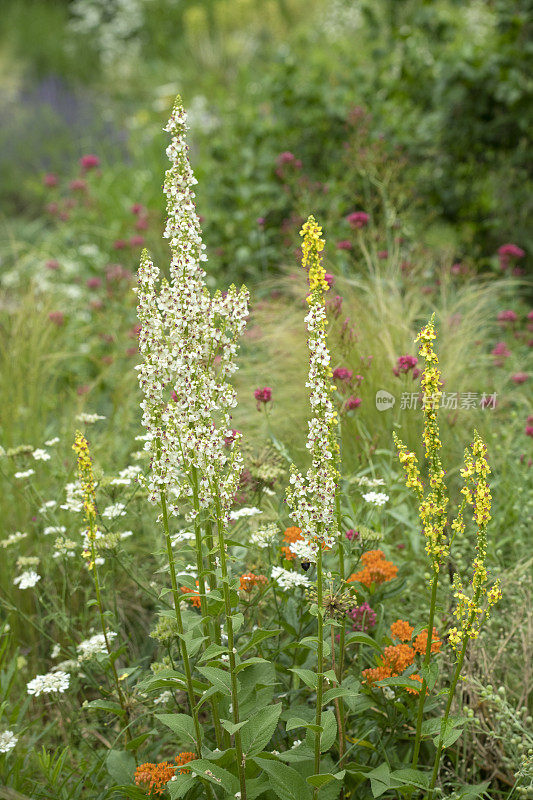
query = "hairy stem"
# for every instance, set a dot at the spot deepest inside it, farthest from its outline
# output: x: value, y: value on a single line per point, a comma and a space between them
x: 320, y: 662
x: 427, y: 656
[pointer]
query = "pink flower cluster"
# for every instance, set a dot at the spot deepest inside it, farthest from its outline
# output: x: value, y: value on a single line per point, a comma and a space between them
x: 358, y: 219
x: 405, y: 364
x: 364, y: 617
x: 263, y: 395
x: 507, y: 252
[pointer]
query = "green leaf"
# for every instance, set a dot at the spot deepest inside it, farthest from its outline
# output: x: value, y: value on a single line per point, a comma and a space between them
x: 232, y: 727
x: 259, y: 729
x: 212, y: 651
x: 256, y: 638
x: 218, y: 678
x: 180, y: 785
x: 338, y: 691
x: 430, y: 673
x: 320, y: 780
x: 105, y: 705
x: 299, y: 722
x: 329, y: 732
x: 380, y: 780
x: 238, y: 621
x: 215, y: 774
x: 307, y: 676
x: 362, y: 638
x: 182, y: 725
x: 284, y: 780
x: 120, y: 765
x: 250, y: 662
x: 133, y: 744
x: 412, y: 777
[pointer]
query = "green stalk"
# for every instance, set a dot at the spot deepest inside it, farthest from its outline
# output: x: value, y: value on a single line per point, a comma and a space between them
x: 446, y: 715
x: 94, y: 570
x: 342, y: 635
x: 206, y: 628
x: 320, y: 662
x: 183, y: 647
x: 427, y: 656
x: 231, y: 646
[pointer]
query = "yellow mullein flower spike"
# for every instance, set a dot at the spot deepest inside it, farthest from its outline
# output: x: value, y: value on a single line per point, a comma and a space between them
x: 312, y: 247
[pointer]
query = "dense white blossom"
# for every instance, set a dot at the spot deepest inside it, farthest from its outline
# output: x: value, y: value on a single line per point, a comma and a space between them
x: 93, y: 646
x: 47, y: 506
x: 74, y: 502
x: 370, y: 482
x: 52, y: 442
x: 288, y: 579
x: 50, y: 529
x: 27, y: 474
x: 376, y: 498
x: 41, y: 455
x: 26, y: 580
x: 265, y: 536
x: 89, y: 419
x: 244, y: 512
x: 13, y: 538
x: 8, y: 741
x: 115, y: 510
x: 51, y: 682
x: 188, y: 341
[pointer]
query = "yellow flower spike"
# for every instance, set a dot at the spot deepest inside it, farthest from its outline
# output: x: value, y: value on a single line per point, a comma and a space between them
x: 86, y: 478
x: 312, y: 247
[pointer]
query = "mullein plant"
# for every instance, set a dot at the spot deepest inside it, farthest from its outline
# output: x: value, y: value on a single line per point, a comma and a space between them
x: 433, y: 501
x: 188, y: 341
x: 312, y: 497
x: 88, y: 487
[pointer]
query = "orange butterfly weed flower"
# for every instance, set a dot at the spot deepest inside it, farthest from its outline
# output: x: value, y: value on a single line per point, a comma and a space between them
x: 194, y: 597
x: 398, y: 657
x: 182, y: 759
x: 249, y: 580
x: 401, y: 630
x: 376, y: 569
x: 421, y: 642
x: 376, y: 674
x: 153, y: 778
x: 292, y: 534
x: 414, y: 677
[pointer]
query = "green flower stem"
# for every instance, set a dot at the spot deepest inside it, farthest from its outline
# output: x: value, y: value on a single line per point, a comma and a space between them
x: 183, y: 647
x: 444, y: 722
x: 342, y: 635
x: 427, y: 656
x: 320, y: 662
x: 94, y: 570
x: 206, y: 628
x: 231, y: 646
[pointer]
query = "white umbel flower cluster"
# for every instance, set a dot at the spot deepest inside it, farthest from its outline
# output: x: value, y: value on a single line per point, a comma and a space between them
x: 188, y: 342
x: 93, y: 646
x: 287, y: 579
x: 50, y: 683
x: 27, y: 580
x: 312, y: 498
x: 8, y: 741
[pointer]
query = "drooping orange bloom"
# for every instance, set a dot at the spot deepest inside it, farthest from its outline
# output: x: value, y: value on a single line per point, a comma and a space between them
x: 376, y: 674
x: 401, y: 630
x: 153, y: 778
x: 414, y: 677
x: 421, y: 641
x: 194, y: 597
x: 249, y: 580
x: 376, y: 569
x: 292, y: 534
x: 182, y: 759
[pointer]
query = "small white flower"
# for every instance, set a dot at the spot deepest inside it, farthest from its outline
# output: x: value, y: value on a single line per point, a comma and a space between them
x: 13, y: 538
x: 51, y: 682
x: 126, y: 534
x: 376, y: 498
x: 27, y: 579
x: 265, y: 536
x: 91, y: 647
x: 56, y: 649
x: 244, y: 512
x: 45, y: 506
x: 8, y: 741
x: 287, y: 579
x: 296, y: 743
x: 51, y: 529
x: 22, y: 475
x: 89, y: 419
x: 164, y: 697
x: 41, y: 455
x: 388, y: 692
x: 52, y: 442
x: 115, y: 510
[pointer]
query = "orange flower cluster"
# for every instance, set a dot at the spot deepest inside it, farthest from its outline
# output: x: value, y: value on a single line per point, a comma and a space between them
x: 291, y: 535
x: 194, y: 597
x: 376, y: 569
x: 421, y: 642
x: 153, y: 778
x: 250, y: 580
x: 398, y: 657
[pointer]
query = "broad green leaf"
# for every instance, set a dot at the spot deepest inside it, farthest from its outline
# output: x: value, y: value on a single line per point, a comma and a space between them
x: 213, y: 651
x: 259, y: 729
x: 182, y: 725
x: 431, y: 674
x: 329, y: 732
x: 105, y: 705
x: 180, y: 785
x: 232, y: 727
x: 338, y: 691
x: 219, y: 678
x: 320, y: 780
x: 215, y: 774
x: 256, y: 638
x: 120, y: 765
x: 307, y: 676
x: 362, y: 638
x: 412, y: 777
x: 248, y: 663
x: 284, y: 780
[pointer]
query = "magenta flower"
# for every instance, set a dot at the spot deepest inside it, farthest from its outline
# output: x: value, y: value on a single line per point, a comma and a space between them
x: 511, y: 251
x: 352, y: 402
x: 57, y: 317
x: 136, y: 241
x: 342, y: 374
x: 404, y: 364
x: 260, y: 221
x: 519, y: 377
x: 52, y: 264
x: 358, y: 219
x: 507, y: 316
x: 351, y: 534
x: 529, y: 430
x: 345, y: 244
x: 94, y: 283
x: 141, y: 224
x: 137, y: 209
x: 501, y: 351
x: 363, y: 616
x: 119, y: 244
x: 89, y: 162
x: 383, y: 254
x: 330, y: 279
x: 50, y: 180
x: 78, y: 185
x: 263, y: 395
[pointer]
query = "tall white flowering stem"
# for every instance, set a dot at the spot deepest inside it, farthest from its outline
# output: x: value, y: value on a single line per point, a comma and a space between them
x: 313, y: 498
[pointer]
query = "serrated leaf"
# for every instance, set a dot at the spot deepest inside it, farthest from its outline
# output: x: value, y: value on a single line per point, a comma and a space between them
x: 320, y: 780
x: 215, y: 774
x: 284, y: 780
x: 249, y: 662
x: 338, y: 691
x: 258, y: 637
x: 309, y: 677
x: 259, y: 729
x: 180, y: 785
x: 105, y: 705
x: 362, y: 638
x: 232, y: 727
x: 412, y: 777
x: 182, y: 725
x: 329, y: 732
x: 218, y: 678
x: 213, y: 651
